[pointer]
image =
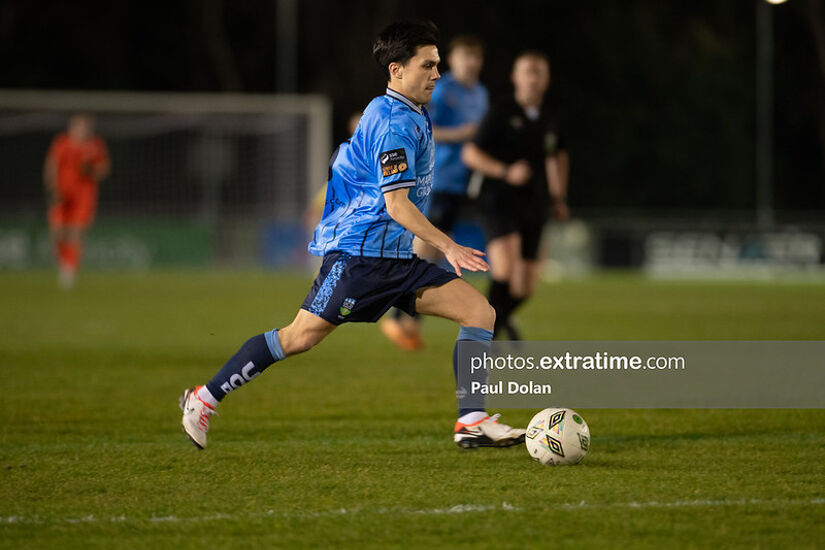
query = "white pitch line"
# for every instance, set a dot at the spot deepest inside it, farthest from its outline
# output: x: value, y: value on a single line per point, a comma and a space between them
x: 690, y: 503
x: 457, y: 509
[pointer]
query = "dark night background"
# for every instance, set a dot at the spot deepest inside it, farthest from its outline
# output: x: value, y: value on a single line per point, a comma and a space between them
x: 658, y: 97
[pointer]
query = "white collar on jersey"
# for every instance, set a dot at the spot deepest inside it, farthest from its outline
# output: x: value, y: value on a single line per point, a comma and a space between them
x: 395, y: 95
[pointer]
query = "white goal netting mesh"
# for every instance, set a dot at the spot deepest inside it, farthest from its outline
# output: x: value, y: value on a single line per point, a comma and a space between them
x: 240, y: 169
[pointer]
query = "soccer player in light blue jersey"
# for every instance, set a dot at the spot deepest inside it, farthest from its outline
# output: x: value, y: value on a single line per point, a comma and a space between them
x: 457, y: 106
x: 379, y: 182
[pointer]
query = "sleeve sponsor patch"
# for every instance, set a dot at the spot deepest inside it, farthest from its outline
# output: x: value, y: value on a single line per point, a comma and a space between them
x: 393, y: 162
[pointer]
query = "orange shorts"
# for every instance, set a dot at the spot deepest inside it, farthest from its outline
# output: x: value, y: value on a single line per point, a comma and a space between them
x: 76, y: 208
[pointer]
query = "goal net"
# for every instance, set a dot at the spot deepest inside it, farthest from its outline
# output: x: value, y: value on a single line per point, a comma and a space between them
x: 197, y: 179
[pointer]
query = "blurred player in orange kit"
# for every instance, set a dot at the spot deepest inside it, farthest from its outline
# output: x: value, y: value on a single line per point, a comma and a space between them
x: 77, y: 161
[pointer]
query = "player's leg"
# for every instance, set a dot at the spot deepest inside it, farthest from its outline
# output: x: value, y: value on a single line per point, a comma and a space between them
x: 458, y: 301
x: 524, y: 276
x: 253, y: 357
x: 77, y: 215
x: 500, y: 217
x: 303, y: 333
x: 400, y: 328
x: 73, y: 246
x: 502, y: 255
x: 65, y: 272
x: 522, y: 285
x: 59, y: 234
x: 262, y: 350
x: 318, y: 317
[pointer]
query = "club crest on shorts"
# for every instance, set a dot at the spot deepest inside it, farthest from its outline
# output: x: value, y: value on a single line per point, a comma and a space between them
x: 346, y: 307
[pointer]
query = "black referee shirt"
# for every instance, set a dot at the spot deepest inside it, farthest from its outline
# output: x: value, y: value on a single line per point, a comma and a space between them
x: 508, y: 134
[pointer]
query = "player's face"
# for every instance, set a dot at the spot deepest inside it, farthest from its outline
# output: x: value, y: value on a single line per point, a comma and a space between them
x: 81, y: 128
x: 531, y: 77
x: 465, y: 63
x: 417, y: 78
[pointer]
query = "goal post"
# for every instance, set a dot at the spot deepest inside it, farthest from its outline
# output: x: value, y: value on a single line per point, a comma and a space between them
x: 245, y: 166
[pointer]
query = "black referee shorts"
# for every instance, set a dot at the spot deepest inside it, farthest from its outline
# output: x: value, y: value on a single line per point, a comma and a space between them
x: 505, y: 212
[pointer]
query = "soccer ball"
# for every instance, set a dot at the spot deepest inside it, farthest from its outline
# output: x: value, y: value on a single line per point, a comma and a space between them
x: 557, y: 436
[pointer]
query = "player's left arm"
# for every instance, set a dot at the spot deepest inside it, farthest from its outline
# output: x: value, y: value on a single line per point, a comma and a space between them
x: 556, y: 167
x: 401, y: 209
x: 102, y: 166
x: 396, y: 174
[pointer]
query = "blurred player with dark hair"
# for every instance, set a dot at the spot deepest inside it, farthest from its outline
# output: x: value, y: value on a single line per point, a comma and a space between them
x: 75, y: 164
x: 520, y: 150
x: 458, y: 104
x: 378, y: 182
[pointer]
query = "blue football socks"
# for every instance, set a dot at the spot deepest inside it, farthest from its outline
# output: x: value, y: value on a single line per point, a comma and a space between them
x: 475, y: 334
x: 252, y: 359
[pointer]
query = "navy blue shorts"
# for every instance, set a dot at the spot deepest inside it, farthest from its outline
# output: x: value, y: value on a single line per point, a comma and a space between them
x: 359, y: 289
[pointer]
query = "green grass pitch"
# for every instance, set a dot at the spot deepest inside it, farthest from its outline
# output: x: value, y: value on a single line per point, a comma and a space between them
x: 349, y: 446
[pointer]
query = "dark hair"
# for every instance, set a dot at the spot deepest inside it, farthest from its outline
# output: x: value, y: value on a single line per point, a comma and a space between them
x: 532, y: 54
x: 469, y: 41
x: 399, y: 42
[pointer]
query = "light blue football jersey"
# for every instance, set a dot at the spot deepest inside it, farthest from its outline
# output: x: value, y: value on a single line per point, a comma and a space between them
x: 454, y: 104
x: 392, y: 148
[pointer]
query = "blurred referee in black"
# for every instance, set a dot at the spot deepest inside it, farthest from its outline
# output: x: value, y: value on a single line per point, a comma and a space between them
x: 520, y: 150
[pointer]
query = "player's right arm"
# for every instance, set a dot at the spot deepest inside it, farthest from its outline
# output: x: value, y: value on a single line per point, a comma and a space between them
x: 516, y: 174
x: 438, y: 108
x: 102, y: 166
x: 455, y: 134
x: 395, y: 157
x: 475, y: 156
x: 401, y: 209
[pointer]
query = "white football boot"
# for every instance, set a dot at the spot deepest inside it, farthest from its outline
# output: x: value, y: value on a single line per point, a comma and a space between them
x: 487, y: 432
x: 196, y: 415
